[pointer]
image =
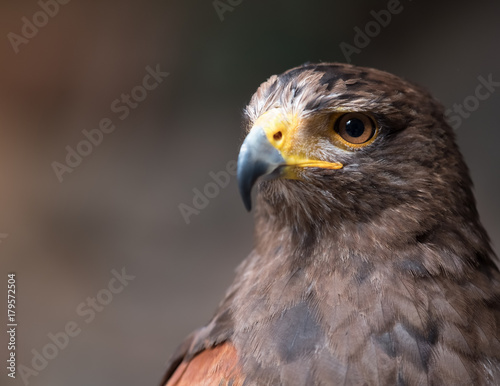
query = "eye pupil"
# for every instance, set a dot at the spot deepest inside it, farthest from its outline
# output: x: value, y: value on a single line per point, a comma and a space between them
x: 354, y: 127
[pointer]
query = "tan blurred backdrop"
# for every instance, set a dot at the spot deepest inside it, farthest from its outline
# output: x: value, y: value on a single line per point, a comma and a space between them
x: 119, y: 208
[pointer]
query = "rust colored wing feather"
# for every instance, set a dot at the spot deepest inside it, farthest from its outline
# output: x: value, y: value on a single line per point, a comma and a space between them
x: 216, y: 366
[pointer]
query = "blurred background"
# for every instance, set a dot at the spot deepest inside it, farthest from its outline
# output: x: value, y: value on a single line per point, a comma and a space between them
x: 119, y: 207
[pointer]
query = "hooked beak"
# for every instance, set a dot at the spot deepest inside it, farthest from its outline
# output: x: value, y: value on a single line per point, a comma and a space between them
x: 268, y: 148
x: 257, y: 158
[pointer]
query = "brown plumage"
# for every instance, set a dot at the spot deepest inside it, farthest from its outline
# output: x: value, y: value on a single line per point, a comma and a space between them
x: 370, y: 264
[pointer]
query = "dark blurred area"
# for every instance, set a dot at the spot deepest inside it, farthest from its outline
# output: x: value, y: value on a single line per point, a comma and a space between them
x: 119, y: 207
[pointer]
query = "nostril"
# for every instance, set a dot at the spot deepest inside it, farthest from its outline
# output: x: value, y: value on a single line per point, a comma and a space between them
x: 278, y: 136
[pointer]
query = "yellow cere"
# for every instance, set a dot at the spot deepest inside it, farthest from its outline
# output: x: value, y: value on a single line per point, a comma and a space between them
x: 281, y: 132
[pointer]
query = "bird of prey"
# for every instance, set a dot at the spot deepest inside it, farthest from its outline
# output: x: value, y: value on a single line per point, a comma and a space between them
x: 370, y: 265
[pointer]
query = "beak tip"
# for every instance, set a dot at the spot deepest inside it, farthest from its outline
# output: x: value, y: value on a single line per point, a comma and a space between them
x: 245, y: 188
x: 248, y: 204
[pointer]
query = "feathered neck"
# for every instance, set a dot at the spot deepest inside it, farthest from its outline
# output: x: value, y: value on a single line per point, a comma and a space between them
x: 291, y: 228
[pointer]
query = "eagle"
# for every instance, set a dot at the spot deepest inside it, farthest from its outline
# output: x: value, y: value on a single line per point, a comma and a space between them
x: 370, y: 264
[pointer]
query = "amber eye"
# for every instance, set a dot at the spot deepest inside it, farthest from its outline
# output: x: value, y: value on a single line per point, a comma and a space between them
x: 355, y: 128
